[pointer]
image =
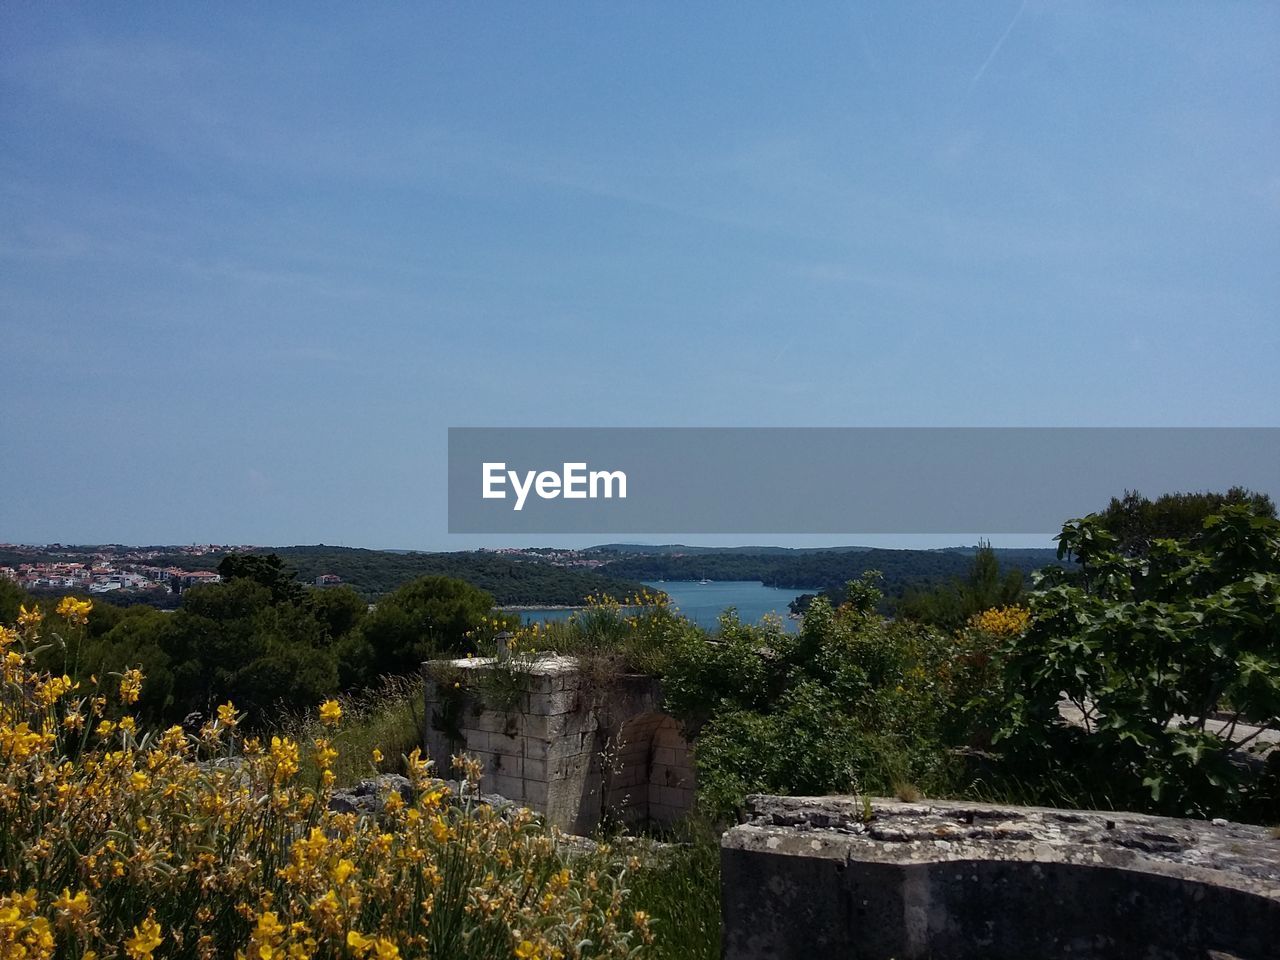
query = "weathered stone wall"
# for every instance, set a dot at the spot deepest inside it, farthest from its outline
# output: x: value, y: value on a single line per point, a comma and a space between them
x: 815, y: 877
x: 671, y: 776
x: 562, y: 745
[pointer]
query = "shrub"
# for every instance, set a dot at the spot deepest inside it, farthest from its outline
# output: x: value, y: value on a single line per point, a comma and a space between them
x: 851, y: 702
x: 421, y: 620
x: 1150, y: 649
x: 115, y: 842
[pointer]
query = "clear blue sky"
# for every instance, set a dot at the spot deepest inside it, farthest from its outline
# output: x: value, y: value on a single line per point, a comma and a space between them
x: 254, y: 260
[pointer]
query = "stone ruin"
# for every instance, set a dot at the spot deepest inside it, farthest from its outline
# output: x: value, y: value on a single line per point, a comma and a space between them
x: 810, y: 878
x: 551, y: 738
x: 849, y: 877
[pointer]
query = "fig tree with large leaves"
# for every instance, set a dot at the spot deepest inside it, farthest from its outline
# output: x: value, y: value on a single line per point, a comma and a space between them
x: 1154, y: 675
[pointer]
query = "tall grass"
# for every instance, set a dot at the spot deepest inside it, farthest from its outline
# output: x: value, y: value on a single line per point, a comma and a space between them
x: 679, y: 887
x: 387, y: 717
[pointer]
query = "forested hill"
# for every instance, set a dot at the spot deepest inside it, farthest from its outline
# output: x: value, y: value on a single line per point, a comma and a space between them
x: 648, y: 549
x: 376, y: 572
x: 827, y: 571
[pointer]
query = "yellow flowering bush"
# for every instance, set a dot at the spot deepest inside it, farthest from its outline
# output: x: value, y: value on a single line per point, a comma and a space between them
x: 1002, y: 621
x: 120, y: 842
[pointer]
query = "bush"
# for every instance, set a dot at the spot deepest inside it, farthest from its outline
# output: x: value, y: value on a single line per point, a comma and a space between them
x: 421, y: 620
x: 1150, y: 649
x: 115, y: 842
x: 851, y: 702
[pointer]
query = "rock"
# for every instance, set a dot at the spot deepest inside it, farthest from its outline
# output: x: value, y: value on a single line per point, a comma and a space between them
x: 368, y: 797
x: 948, y: 880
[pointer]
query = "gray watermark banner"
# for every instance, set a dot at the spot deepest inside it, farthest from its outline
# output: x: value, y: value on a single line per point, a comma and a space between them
x: 1009, y: 480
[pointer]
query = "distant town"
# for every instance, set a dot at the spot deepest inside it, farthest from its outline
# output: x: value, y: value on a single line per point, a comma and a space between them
x: 107, y: 570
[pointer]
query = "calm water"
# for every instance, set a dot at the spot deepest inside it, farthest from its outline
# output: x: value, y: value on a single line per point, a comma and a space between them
x: 703, y: 602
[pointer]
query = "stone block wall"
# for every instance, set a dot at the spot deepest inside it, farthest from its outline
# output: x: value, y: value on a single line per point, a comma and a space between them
x: 945, y: 880
x: 671, y: 777
x: 559, y: 745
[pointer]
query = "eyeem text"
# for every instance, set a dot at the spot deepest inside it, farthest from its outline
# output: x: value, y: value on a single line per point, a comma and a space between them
x: 574, y: 482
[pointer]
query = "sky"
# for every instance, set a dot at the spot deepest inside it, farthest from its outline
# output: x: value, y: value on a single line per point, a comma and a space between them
x: 256, y: 259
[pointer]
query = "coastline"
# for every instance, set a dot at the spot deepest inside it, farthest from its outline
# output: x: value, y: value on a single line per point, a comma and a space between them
x: 535, y: 607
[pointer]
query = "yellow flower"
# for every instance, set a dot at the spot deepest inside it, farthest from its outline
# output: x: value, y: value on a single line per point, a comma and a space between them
x: 73, y: 906
x: 284, y: 755
x: 131, y: 685
x: 144, y: 940
x: 53, y: 689
x: 227, y: 714
x: 29, y: 618
x: 77, y: 611
x: 1002, y: 621
x: 324, y: 754
x: 377, y: 756
x: 330, y: 713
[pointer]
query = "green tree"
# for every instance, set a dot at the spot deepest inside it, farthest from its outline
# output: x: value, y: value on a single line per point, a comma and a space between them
x: 267, y: 570
x: 424, y: 618
x: 136, y: 638
x: 1150, y: 651
x: 951, y: 605
x: 11, y: 597
x: 231, y: 641
x: 340, y: 609
x: 1137, y: 522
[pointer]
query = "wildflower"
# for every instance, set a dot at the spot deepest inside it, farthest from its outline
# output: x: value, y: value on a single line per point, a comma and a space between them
x: 50, y: 691
x: 330, y: 713
x: 324, y: 754
x: 284, y: 756
x: 74, y: 907
x: 29, y: 618
x: 227, y: 714
x: 145, y: 939
x: 131, y: 686
x: 377, y: 756
x: 77, y: 611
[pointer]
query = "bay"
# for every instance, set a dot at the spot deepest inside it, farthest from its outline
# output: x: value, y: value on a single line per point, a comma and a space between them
x: 704, y: 602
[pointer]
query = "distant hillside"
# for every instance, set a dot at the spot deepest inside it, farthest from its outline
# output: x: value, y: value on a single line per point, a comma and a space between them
x: 647, y: 549
x: 827, y: 571
x: 511, y: 581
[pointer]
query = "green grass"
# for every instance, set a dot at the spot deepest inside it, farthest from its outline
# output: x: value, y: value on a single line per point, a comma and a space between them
x: 679, y: 887
x: 388, y: 717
